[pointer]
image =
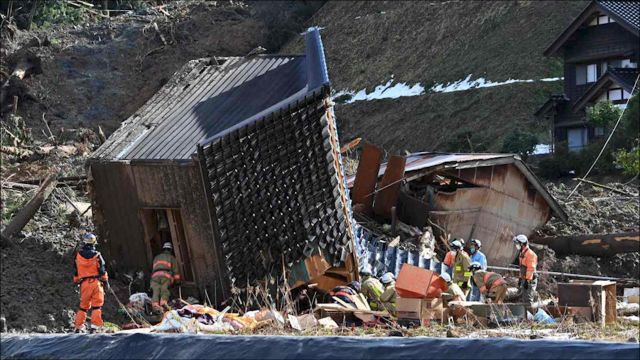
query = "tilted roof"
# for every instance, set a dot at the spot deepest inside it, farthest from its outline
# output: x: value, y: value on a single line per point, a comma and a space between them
x: 625, y: 13
x: 624, y: 77
x: 209, y: 97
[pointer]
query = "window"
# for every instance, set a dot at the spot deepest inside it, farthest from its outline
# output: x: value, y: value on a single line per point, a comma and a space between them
x: 586, y: 73
x: 601, y: 20
x: 577, y: 139
x: 617, y: 95
x: 627, y: 63
x: 598, y: 131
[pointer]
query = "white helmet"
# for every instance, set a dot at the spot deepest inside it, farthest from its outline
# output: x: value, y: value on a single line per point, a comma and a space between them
x: 522, y: 239
x: 168, y: 246
x: 446, y: 277
x: 89, y: 238
x: 387, y: 278
x: 457, y: 244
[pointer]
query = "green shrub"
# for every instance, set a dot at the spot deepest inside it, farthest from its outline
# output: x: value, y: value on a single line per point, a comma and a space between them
x: 519, y: 142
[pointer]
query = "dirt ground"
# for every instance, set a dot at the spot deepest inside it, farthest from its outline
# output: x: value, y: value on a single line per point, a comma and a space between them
x: 100, y: 73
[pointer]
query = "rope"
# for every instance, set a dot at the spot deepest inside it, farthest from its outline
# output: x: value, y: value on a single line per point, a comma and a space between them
x: 608, y: 139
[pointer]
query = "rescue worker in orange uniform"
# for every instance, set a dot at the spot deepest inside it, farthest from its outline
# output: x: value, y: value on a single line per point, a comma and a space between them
x: 528, y: 261
x: 450, y: 257
x: 164, y: 274
x: 490, y: 284
x: 90, y: 275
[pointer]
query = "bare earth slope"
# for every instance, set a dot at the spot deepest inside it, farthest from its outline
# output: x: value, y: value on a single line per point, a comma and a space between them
x: 437, y: 43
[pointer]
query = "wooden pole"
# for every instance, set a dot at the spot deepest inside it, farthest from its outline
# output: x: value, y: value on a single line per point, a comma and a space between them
x: 29, y: 210
x: 605, y: 187
x: 592, y: 245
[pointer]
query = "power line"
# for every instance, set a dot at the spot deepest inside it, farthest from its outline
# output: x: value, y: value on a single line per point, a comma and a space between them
x: 608, y: 138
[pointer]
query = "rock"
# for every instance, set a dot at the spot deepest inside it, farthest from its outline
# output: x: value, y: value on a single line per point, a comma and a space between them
x: 535, y: 336
x: 395, y: 333
x: 51, y: 318
x: 453, y: 333
x: 41, y: 329
x: 632, y: 340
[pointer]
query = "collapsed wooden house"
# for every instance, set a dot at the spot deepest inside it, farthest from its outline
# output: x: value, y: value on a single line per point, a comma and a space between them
x: 236, y: 161
x: 490, y: 197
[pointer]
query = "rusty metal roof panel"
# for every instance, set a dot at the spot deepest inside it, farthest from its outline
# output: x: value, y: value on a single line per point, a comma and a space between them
x: 426, y: 160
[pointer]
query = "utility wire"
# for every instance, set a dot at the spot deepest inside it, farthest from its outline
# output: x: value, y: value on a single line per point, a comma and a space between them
x: 608, y: 139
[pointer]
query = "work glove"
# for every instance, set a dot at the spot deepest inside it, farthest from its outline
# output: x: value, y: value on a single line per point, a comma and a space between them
x: 525, y: 284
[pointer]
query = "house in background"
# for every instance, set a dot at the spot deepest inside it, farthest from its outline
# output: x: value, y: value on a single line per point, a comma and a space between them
x: 601, y: 49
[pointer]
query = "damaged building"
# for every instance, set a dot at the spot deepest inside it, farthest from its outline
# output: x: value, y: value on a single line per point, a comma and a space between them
x: 490, y: 197
x: 236, y: 161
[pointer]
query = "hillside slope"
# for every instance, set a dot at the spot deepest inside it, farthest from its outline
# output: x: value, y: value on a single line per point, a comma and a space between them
x: 369, y: 43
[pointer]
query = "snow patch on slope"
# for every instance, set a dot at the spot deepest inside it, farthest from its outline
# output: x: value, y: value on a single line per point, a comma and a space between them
x: 389, y: 90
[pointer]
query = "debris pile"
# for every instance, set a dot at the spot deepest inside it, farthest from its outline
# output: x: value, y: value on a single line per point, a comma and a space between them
x: 594, y: 210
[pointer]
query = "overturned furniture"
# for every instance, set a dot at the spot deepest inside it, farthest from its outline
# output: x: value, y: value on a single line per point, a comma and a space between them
x: 490, y: 197
x: 237, y: 162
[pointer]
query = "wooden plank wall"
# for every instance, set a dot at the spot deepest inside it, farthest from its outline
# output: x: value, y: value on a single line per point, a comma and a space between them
x: 505, y: 205
x: 125, y: 189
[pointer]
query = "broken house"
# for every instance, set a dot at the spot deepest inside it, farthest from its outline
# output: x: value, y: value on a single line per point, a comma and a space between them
x: 235, y: 161
x: 490, y: 197
x: 601, y: 50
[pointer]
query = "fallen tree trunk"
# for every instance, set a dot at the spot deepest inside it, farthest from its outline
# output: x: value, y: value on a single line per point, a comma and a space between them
x: 26, y: 213
x: 592, y: 245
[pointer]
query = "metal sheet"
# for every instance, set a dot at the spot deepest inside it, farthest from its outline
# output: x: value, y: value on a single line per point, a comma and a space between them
x: 204, y: 99
x: 366, y: 178
x: 387, y: 195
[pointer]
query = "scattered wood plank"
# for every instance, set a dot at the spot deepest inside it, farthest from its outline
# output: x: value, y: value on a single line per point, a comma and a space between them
x: 344, y: 304
x: 26, y: 213
x: 364, y: 300
x: 605, y: 187
x: 19, y: 186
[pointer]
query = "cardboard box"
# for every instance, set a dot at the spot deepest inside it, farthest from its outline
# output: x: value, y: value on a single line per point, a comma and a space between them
x: 423, y: 310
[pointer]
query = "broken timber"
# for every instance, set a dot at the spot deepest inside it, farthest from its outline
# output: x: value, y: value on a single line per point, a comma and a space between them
x: 593, y: 245
x: 26, y: 213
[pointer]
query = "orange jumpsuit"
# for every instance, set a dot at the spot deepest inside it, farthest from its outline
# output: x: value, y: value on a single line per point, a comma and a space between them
x: 90, y: 273
x: 528, y: 278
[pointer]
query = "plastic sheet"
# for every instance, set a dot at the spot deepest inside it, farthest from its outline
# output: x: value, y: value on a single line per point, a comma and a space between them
x: 184, y: 346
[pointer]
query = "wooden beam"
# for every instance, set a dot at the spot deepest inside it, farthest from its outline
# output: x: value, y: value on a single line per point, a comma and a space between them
x: 592, y: 245
x: 29, y: 210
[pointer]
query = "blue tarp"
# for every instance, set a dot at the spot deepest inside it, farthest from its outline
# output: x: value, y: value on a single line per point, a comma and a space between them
x: 182, y: 346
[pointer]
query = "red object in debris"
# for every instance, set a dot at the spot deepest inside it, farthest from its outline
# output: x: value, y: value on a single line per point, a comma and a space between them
x: 415, y: 282
x: 366, y: 178
x: 131, y: 325
x: 389, y: 189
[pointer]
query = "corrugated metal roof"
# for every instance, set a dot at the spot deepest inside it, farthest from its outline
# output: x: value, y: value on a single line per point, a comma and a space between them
x: 425, y: 160
x: 205, y: 99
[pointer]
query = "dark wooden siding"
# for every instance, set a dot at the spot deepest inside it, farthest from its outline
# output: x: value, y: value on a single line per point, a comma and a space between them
x: 600, y: 42
x: 121, y: 190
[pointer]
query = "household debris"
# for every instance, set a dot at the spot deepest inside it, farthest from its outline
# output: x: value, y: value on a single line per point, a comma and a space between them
x: 455, y: 193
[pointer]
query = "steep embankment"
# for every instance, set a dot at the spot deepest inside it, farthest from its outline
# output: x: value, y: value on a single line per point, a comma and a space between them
x: 440, y: 43
x: 99, y: 73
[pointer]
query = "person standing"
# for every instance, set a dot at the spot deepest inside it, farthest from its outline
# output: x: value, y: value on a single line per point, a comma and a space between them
x: 90, y: 274
x: 461, y: 273
x: 164, y: 274
x: 477, y: 256
x: 528, y: 261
